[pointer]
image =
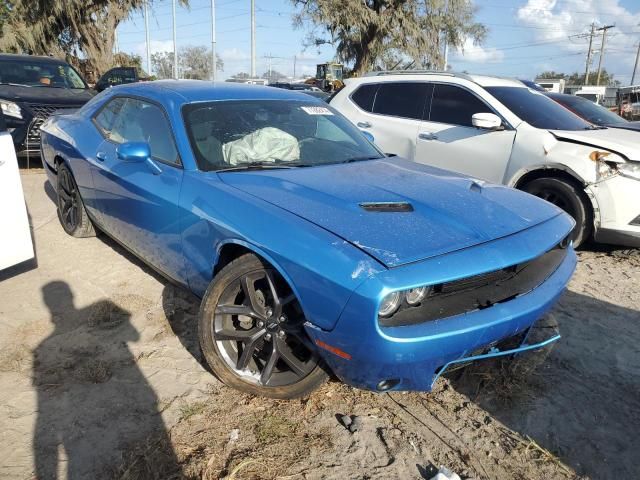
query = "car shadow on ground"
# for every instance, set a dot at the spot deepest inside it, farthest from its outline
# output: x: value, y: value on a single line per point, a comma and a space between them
x: 92, y: 397
x: 582, y: 403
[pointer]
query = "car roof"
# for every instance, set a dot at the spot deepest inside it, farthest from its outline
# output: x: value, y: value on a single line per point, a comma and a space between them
x: 482, y: 80
x: 188, y: 91
x: 27, y: 58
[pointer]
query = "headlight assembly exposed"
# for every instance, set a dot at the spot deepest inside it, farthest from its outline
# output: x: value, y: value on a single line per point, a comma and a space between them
x: 10, y: 109
x: 390, y: 304
x: 607, y: 163
x: 630, y: 169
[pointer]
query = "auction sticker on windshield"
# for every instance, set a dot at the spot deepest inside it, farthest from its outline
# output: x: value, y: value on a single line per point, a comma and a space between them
x: 317, y: 110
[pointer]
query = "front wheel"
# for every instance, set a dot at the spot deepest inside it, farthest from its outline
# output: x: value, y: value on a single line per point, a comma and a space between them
x: 71, y: 212
x: 252, y: 335
x: 569, y: 198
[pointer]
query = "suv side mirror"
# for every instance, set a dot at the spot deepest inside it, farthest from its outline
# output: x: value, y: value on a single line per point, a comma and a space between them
x: 487, y: 121
x: 133, y: 152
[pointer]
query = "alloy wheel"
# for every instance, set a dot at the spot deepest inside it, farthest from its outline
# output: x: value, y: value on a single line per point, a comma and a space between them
x: 259, y: 331
x: 68, y: 200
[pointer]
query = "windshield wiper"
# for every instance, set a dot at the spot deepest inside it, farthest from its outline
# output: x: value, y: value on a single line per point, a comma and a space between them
x: 15, y: 84
x: 361, y: 159
x: 257, y: 166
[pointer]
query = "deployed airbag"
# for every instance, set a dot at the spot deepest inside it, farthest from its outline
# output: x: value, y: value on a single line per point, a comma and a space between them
x: 264, y: 145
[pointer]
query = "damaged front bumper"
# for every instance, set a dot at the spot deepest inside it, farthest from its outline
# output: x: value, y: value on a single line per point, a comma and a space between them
x: 617, y: 219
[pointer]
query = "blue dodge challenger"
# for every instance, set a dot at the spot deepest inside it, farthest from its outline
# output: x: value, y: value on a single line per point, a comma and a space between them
x: 313, y: 252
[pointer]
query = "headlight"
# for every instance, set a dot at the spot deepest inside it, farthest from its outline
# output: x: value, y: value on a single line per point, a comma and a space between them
x: 630, y: 169
x: 10, y: 109
x: 607, y: 163
x: 389, y: 304
x: 416, y: 295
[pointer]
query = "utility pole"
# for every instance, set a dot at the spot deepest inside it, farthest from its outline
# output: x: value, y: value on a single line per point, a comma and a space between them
x: 146, y: 33
x: 635, y: 65
x: 175, y: 41
x: 446, y: 43
x: 586, y: 70
x: 253, y: 39
x: 604, y: 38
x: 295, y: 58
x: 213, y: 40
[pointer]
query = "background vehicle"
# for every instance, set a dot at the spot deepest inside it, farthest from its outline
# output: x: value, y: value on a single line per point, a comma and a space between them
x: 119, y: 76
x: 15, y: 236
x: 592, y: 112
x: 302, y: 87
x: 31, y: 89
x: 329, y: 77
x: 284, y: 218
x: 499, y: 130
x: 592, y: 93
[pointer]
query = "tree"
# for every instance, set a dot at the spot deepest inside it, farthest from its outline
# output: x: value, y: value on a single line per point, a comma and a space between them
x: 241, y: 76
x: 576, y: 78
x: 377, y: 33
x: 193, y: 62
x: 75, y: 29
x: 273, y: 75
x: 122, y: 59
x: 162, y: 64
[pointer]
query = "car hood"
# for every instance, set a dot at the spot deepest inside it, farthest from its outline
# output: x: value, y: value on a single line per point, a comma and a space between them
x: 618, y: 140
x: 46, y: 95
x: 449, y: 211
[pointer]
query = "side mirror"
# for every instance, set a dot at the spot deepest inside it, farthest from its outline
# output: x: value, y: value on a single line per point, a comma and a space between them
x: 487, y: 121
x: 133, y: 152
x: 368, y: 136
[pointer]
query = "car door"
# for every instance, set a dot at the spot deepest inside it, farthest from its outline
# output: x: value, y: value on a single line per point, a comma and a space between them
x: 392, y: 113
x: 448, y: 139
x: 15, y: 239
x: 138, y: 200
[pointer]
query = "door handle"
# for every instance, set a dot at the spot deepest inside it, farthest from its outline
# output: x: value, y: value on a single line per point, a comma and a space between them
x: 427, y: 136
x: 363, y: 124
x: 102, y: 156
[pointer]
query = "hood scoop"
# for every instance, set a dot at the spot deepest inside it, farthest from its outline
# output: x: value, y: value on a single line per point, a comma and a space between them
x: 386, y: 206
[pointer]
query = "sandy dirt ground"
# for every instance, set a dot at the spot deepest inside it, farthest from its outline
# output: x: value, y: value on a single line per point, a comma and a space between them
x: 101, y: 377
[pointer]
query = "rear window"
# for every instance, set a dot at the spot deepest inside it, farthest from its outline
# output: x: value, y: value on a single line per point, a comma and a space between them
x: 402, y: 99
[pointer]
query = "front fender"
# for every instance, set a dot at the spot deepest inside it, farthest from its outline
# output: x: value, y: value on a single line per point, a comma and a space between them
x: 322, y: 269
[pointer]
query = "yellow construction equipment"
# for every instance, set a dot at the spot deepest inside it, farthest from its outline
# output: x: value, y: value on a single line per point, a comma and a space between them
x: 329, y: 76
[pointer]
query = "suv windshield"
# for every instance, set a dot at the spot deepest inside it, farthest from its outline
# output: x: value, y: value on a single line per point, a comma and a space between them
x: 590, y: 111
x: 538, y: 110
x: 272, y: 134
x: 39, y: 74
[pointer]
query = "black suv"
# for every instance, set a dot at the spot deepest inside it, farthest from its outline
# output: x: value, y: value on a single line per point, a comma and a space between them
x: 31, y: 89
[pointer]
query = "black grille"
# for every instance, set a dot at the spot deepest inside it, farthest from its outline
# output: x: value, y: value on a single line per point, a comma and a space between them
x: 480, y: 291
x: 40, y: 114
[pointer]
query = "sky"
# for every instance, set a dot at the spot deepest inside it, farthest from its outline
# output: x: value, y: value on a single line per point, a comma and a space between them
x: 525, y: 37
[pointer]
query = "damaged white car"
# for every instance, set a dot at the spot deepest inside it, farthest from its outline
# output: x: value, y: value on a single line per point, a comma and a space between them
x: 499, y: 130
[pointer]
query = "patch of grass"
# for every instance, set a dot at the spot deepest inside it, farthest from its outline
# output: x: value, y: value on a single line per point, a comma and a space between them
x: 188, y: 410
x: 273, y: 427
x: 95, y: 371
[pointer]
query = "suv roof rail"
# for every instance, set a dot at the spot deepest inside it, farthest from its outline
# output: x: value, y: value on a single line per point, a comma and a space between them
x: 416, y: 72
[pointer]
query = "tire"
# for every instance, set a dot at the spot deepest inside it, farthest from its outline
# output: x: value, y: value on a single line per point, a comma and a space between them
x: 71, y: 212
x: 570, y: 198
x: 252, y: 336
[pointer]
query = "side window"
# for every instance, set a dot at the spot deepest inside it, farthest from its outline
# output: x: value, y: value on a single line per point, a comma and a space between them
x: 455, y: 105
x: 402, y: 99
x: 364, y: 96
x: 107, y: 115
x: 140, y: 121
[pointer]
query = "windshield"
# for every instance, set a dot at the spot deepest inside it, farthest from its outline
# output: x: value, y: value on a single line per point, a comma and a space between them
x: 39, y: 74
x: 590, y: 111
x: 538, y: 110
x: 272, y: 134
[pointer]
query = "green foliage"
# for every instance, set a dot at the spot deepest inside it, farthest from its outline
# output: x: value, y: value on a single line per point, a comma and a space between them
x: 375, y: 34
x: 576, y: 78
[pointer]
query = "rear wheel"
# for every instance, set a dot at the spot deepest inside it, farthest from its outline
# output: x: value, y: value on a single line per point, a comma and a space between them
x: 71, y: 212
x: 252, y: 335
x: 569, y: 198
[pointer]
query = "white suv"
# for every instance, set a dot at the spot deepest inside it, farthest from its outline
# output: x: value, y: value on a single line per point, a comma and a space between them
x: 499, y: 130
